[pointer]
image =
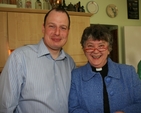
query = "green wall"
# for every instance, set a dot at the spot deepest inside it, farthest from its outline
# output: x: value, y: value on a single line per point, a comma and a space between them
x: 121, y: 19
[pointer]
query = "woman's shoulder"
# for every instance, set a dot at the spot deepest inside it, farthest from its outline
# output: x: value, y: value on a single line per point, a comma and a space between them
x: 81, y: 68
x: 120, y: 66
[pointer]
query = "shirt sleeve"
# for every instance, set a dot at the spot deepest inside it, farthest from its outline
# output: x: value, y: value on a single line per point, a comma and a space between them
x: 11, y: 81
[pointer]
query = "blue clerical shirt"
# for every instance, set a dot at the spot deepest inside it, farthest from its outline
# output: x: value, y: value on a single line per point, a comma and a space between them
x: 33, y: 82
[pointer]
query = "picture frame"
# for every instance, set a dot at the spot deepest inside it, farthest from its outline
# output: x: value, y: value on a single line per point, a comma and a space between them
x: 133, y: 9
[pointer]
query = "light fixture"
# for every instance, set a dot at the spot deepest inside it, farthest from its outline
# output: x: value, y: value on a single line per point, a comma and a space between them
x: 55, y: 3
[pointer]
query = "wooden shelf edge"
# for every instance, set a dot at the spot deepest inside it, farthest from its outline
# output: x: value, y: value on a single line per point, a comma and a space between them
x: 41, y: 11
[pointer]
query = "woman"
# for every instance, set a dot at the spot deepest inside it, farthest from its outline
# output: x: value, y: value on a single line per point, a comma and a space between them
x: 103, y: 86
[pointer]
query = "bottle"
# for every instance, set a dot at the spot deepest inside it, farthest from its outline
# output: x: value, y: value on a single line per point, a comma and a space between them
x: 79, y: 6
x: 46, y: 4
x: 28, y: 4
x: 38, y: 4
x: 64, y: 5
x: 139, y: 69
x: 19, y: 4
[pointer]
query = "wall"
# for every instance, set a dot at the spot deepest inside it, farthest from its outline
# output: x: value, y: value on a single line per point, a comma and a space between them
x: 132, y: 45
x: 121, y: 19
x: 101, y: 17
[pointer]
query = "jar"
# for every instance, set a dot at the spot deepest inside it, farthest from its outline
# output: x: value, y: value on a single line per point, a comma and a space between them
x: 38, y: 4
x: 46, y: 4
x: 19, y: 4
x: 28, y: 4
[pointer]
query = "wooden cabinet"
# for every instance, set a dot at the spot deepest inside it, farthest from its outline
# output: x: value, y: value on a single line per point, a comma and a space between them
x: 25, y: 27
x: 3, y: 39
x: 73, y: 46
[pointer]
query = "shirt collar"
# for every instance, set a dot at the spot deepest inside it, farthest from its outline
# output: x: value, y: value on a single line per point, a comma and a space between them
x: 113, y: 71
x: 43, y: 50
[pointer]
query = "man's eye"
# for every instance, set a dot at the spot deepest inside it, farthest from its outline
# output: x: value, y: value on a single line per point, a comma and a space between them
x: 52, y: 26
x: 63, y: 28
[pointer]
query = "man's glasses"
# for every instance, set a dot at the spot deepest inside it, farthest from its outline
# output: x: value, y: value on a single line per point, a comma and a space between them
x: 90, y: 50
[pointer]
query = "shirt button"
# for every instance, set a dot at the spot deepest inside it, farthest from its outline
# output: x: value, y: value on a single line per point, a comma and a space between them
x: 108, y: 79
x: 111, y: 93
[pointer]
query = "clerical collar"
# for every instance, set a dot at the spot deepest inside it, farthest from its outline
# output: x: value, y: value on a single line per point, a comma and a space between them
x: 100, y: 69
x: 103, y: 71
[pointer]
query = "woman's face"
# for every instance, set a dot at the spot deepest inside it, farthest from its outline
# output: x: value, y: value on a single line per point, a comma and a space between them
x: 96, y: 52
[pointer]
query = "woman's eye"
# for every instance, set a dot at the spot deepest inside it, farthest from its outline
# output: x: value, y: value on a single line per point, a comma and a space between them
x: 90, y: 46
x: 101, y: 46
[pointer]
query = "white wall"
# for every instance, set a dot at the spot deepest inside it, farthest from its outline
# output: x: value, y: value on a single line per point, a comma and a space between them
x: 132, y: 43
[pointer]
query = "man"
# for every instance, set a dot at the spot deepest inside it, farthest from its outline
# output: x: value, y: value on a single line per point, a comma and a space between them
x: 36, y: 78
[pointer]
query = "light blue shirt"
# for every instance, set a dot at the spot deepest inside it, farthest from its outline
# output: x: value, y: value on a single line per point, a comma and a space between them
x: 33, y: 82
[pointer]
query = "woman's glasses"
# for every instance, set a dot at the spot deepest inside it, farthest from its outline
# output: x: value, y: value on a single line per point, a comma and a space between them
x: 90, y: 50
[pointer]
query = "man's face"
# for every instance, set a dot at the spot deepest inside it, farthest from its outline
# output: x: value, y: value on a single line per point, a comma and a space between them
x: 56, y: 30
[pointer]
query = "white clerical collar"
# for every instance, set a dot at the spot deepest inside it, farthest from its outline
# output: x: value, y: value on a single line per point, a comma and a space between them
x: 98, y: 69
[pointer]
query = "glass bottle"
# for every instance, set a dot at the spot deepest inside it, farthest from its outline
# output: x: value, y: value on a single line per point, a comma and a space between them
x: 28, y: 4
x: 38, y: 4
x: 19, y: 4
x: 46, y: 4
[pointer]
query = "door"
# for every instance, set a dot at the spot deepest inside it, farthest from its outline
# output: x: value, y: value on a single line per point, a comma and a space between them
x: 114, y: 53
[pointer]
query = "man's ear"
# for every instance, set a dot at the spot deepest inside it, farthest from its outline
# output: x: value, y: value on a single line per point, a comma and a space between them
x: 43, y: 28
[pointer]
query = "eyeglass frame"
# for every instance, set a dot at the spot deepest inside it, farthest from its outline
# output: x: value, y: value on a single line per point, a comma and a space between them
x: 93, y: 49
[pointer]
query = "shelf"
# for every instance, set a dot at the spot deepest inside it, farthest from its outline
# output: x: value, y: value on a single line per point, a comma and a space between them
x: 41, y: 11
